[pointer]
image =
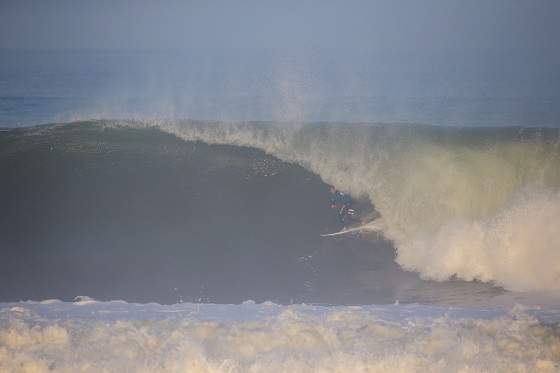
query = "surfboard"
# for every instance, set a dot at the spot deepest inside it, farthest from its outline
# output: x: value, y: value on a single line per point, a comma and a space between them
x: 371, y: 226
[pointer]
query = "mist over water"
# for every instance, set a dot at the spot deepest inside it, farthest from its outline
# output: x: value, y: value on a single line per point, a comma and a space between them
x: 451, y: 88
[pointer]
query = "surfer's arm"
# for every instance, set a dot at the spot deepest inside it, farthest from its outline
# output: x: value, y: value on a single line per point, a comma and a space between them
x: 335, y: 197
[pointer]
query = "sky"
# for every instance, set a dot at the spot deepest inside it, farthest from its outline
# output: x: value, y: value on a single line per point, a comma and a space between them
x: 270, y: 24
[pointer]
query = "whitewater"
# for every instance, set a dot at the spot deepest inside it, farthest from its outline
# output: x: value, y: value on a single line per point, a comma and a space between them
x: 174, y: 223
x: 115, y: 336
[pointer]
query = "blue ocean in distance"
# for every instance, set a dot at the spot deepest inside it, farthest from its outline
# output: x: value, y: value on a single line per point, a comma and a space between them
x: 448, y: 88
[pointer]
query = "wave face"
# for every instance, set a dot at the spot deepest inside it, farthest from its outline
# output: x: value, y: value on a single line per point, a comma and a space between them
x: 140, y: 215
x: 171, y: 211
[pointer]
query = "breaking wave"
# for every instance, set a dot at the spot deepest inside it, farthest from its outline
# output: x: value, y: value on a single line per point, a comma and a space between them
x: 475, y: 203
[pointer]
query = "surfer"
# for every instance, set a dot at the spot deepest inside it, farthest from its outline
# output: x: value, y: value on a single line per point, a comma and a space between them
x: 347, y: 210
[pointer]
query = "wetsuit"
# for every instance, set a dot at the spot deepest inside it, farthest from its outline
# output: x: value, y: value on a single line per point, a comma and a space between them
x: 347, y: 207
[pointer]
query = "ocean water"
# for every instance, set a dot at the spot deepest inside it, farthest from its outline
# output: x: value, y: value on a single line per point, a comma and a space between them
x: 163, y: 211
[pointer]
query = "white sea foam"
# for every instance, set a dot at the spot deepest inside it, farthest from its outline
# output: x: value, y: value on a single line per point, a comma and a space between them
x: 115, y: 336
x: 517, y: 247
